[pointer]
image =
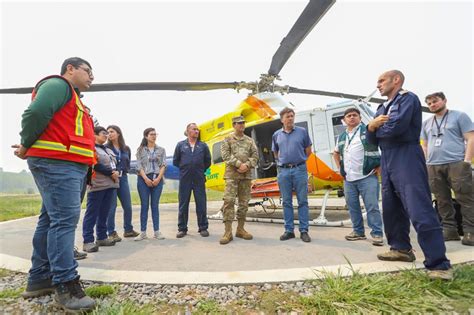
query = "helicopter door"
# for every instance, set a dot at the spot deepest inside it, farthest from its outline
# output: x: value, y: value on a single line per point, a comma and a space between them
x: 304, y: 120
x: 335, y: 128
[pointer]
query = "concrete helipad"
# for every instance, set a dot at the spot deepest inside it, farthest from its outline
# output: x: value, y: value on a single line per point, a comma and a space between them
x: 197, y: 260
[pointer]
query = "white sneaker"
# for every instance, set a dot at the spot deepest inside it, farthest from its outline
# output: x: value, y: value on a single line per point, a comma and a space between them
x: 141, y: 236
x: 158, y: 235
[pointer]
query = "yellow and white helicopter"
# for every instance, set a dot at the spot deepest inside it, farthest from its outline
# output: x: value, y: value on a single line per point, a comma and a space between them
x: 260, y: 110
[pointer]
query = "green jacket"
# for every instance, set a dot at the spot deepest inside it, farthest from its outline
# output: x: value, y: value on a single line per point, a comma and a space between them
x: 371, y: 151
x: 237, y: 151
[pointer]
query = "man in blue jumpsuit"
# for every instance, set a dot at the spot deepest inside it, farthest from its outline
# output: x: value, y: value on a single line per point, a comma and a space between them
x: 193, y: 158
x: 405, y: 192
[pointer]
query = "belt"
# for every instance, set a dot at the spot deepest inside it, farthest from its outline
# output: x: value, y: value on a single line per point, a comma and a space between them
x: 289, y: 165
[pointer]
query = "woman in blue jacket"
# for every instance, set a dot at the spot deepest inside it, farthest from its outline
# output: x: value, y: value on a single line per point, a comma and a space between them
x: 122, y: 152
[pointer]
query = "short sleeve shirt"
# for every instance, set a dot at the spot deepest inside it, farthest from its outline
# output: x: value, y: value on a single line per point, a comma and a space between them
x: 291, y: 146
x: 450, y: 147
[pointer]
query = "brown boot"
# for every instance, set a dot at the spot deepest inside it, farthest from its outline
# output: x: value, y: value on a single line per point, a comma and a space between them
x: 240, y: 232
x: 227, y: 237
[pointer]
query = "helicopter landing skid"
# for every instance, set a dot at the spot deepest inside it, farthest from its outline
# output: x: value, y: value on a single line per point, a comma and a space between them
x: 321, y: 220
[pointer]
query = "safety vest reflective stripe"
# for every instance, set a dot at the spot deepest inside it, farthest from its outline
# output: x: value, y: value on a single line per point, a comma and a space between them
x: 371, y: 153
x: 81, y: 151
x: 49, y: 145
x: 56, y: 146
x: 79, y: 127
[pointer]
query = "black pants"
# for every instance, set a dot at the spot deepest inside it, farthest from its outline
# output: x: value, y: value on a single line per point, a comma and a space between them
x: 197, y: 186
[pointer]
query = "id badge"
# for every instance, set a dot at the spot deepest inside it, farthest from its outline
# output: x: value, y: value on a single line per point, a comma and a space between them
x: 438, y: 142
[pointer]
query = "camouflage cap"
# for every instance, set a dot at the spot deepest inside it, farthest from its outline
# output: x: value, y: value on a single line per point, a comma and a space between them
x: 238, y: 119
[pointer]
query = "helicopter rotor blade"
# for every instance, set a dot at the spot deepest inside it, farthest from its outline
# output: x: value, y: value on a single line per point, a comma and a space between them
x: 163, y: 86
x: 368, y: 98
x: 25, y: 90
x: 144, y: 86
x: 334, y: 94
x: 310, y: 16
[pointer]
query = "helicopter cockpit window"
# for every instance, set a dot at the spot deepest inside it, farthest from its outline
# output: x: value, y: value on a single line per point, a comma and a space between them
x: 338, y: 126
x: 216, y: 153
x: 302, y: 124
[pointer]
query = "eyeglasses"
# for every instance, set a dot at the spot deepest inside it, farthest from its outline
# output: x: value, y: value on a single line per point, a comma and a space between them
x: 240, y: 122
x: 89, y: 71
x: 152, y: 134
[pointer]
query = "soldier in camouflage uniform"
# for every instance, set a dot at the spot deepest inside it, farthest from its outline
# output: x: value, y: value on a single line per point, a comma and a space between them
x: 239, y: 153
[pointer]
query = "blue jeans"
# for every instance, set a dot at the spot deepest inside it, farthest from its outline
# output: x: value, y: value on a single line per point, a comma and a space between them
x: 149, y: 195
x: 123, y: 193
x: 98, y: 206
x: 368, y: 188
x: 60, y: 187
x: 289, y: 180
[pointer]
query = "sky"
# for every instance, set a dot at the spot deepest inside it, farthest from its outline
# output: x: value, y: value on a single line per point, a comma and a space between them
x: 226, y: 41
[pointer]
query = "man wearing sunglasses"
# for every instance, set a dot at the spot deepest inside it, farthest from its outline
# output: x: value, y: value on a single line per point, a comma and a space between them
x: 57, y: 139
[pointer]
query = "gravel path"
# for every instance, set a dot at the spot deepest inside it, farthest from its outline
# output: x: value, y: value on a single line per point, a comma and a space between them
x: 189, y: 295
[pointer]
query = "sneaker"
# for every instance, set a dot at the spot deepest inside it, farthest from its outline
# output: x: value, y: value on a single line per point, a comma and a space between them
x: 79, y: 255
x: 105, y: 242
x: 158, y: 235
x: 40, y: 288
x: 440, y: 274
x: 468, y: 239
x: 181, y: 234
x: 354, y: 236
x: 305, y: 237
x: 377, y: 240
x: 115, y: 237
x: 71, y: 297
x: 131, y: 233
x: 204, y: 233
x: 451, y: 235
x: 141, y: 236
x: 398, y: 255
x: 90, y: 247
x: 287, y: 235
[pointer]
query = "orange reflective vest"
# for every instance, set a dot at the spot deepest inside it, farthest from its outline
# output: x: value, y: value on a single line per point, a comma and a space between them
x: 70, y: 133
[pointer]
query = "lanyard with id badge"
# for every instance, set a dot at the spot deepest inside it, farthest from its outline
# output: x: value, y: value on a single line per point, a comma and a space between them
x: 351, y: 138
x: 439, y: 127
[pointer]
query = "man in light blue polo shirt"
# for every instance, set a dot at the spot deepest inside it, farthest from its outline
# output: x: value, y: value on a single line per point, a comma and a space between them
x: 292, y: 146
x: 448, y: 143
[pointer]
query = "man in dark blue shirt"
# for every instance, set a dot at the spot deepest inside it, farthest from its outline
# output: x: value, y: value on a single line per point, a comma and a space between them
x: 405, y: 192
x: 193, y: 158
x: 292, y: 146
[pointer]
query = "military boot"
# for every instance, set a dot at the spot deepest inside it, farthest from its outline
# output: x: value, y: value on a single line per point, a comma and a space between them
x: 240, y: 232
x: 227, y: 237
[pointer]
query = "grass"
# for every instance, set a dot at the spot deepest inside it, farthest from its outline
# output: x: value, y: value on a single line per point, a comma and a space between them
x: 20, y: 206
x: 409, y: 291
x: 172, y: 196
x: 14, y: 206
x: 99, y: 291
x: 4, y: 272
x: 208, y: 307
x: 11, y: 293
x: 122, y: 308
